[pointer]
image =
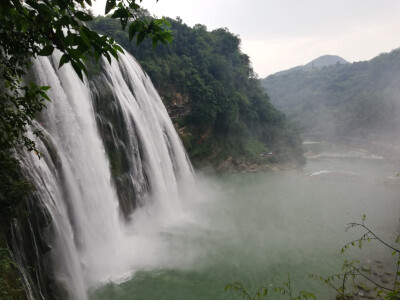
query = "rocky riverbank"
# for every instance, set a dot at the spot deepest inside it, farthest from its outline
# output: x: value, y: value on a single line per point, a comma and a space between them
x: 239, y: 166
x: 381, y: 279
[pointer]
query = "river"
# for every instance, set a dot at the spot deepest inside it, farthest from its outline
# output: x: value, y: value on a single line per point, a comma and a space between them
x: 256, y: 228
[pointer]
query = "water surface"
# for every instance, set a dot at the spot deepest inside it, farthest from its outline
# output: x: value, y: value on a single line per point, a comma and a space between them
x: 258, y: 227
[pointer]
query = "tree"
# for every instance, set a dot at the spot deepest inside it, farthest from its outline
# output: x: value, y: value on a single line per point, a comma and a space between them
x: 31, y: 28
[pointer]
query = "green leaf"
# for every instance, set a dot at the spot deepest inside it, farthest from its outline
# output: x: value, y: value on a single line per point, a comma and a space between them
x: 120, y: 13
x: 90, y: 33
x: 140, y: 37
x: 46, y: 51
x: 117, y: 47
x: 44, y: 95
x: 133, y: 28
x: 83, y: 16
x: 134, y: 5
x: 85, y: 38
x: 45, y: 88
x: 110, y: 4
x: 108, y: 57
x: 77, y: 69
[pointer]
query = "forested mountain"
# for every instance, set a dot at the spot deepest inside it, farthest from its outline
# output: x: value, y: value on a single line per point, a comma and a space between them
x: 213, y: 96
x: 342, y: 101
x: 325, y: 61
x: 318, y: 63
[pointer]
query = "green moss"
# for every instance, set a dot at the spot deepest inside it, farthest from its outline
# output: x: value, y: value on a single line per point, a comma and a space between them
x: 13, y: 186
x: 11, y: 287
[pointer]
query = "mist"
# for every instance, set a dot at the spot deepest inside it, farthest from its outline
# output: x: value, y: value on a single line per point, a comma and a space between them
x: 256, y: 228
x: 212, y: 175
x: 355, y: 104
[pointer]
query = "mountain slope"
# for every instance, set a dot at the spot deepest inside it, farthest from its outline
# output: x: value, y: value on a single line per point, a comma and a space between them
x: 318, y: 63
x: 342, y: 101
x: 325, y: 61
x: 213, y: 96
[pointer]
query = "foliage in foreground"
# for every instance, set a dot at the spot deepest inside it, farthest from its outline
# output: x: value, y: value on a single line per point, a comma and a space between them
x: 351, y: 269
x: 350, y: 272
x: 31, y: 28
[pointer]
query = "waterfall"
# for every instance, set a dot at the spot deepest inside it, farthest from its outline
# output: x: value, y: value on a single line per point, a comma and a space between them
x: 112, y: 166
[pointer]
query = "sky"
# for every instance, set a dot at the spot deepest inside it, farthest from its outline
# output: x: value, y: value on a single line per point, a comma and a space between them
x: 280, y: 34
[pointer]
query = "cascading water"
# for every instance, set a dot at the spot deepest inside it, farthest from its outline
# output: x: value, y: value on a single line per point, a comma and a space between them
x: 94, y: 233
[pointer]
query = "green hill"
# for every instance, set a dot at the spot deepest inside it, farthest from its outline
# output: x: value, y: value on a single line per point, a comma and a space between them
x: 342, y: 101
x: 325, y: 61
x: 213, y: 96
x: 318, y: 63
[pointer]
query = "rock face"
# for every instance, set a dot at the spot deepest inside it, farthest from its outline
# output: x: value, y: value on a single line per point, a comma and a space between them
x: 226, y: 165
x: 179, y: 106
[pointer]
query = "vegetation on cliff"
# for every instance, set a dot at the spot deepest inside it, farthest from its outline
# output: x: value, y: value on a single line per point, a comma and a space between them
x: 213, y: 95
x: 342, y: 100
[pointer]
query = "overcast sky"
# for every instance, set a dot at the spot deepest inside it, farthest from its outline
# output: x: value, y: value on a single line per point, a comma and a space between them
x: 280, y: 34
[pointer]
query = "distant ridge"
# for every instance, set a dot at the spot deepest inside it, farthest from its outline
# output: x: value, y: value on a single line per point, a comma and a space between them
x: 320, y: 62
x: 339, y: 100
x: 326, y: 60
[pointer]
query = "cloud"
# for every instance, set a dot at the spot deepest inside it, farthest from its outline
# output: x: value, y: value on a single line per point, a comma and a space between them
x: 281, y: 34
x: 356, y: 43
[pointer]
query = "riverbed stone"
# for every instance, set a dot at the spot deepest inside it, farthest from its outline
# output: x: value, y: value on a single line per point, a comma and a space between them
x: 388, y: 274
x: 363, y: 287
x: 366, y: 268
x: 347, y: 296
x: 385, y: 280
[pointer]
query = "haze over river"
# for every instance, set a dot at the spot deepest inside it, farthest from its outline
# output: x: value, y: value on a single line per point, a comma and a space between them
x: 258, y: 227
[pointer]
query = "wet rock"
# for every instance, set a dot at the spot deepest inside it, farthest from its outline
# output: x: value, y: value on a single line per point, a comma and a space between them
x: 346, y: 297
x: 366, y: 268
x: 241, y: 166
x: 349, y: 296
x: 363, y: 287
x: 385, y: 280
